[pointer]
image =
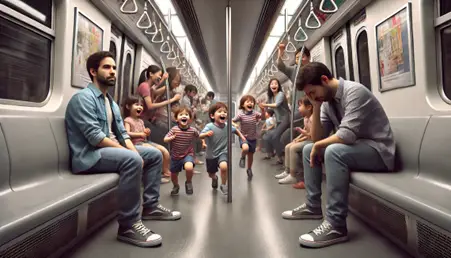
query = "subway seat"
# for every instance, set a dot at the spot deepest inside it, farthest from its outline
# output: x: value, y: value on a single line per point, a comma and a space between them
x: 36, y: 184
x: 421, y: 184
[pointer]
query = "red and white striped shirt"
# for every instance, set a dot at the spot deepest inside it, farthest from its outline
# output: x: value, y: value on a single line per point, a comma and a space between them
x: 182, y: 145
x: 248, y: 123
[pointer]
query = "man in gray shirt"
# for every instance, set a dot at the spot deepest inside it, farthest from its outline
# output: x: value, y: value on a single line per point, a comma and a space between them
x: 363, y: 141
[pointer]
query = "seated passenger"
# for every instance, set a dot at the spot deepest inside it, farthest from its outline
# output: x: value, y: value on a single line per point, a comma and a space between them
x: 215, y: 134
x: 293, y: 150
x: 181, y: 138
x: 99, y: 143
x: 248, y: 125
x: 363, y: 141
x: 138, y: 133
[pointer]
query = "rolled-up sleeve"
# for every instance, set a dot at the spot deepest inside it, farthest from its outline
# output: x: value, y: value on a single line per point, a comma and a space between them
x: 356, y: 110
x: 82, y: 110
x: 326, y: 122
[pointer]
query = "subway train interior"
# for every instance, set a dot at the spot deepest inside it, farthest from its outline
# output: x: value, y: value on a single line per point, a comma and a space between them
x: 161, y: 60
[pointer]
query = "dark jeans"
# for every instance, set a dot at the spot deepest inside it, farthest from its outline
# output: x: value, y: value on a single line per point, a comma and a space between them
x: 272, y: 139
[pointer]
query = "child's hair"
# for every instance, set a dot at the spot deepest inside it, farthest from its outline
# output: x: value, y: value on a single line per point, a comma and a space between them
x: 129, y: 102
x: 215, y: 108
x: 244, y: 99
x: 304, y: 100
x: 190, y: 88
x: 270, y: 112
x: 183, y: 109
x: 211, y: 94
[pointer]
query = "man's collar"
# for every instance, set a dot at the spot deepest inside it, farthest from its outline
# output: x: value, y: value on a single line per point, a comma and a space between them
x: 97, y: 91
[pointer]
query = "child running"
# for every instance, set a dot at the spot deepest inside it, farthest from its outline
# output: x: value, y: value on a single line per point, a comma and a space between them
x: 216, y: 140
x: 181, y: 138
x: 133, y: 108
x: 248, y: 125
x: 293, y: 150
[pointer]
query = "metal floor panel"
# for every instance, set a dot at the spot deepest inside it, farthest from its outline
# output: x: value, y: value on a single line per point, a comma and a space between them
x: 250, y: 226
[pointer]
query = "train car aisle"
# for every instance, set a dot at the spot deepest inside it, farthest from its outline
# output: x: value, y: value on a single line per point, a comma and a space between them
x: 251, y: 226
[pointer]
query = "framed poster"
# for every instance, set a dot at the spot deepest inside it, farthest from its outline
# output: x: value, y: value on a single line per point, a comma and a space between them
x: 395, y: 50
x: 87, y: 39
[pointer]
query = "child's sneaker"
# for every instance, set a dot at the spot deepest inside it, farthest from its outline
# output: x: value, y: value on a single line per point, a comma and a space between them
x: 175, y: 190
x: 224, y: 189
x: 249, y: 174
x: 214, y: 183
x: 242, y: 161
x: 189, y: 188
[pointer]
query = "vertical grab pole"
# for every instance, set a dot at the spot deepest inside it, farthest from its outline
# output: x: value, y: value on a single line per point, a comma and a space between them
x: 168, y: 97
x: 293, y: 101
x: 229, y: 100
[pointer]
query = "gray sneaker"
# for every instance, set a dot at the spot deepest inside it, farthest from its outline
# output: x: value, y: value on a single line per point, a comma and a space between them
x: 303, y: 212
x: 214, y: 183
x: 189, y: 188
x: 324, y: 235
x: 139, y: 235
x: 223, y: 189
x: 160, y: 213
x: 242, y: 162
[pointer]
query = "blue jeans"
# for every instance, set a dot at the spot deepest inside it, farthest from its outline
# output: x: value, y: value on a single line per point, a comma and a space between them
x: 339, y: 161
x: 129, y: 165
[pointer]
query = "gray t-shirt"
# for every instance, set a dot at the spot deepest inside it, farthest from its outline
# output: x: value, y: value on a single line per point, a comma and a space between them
x: 109, y: 115
x: 282, y: 108
x: 217, y: 143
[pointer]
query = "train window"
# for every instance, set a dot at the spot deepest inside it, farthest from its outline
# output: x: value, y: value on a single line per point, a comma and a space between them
x: 363, y: 59
x: 445, y: 7
x: 445, y: 36
x: 25, y: 60
x: 114, y: 52
x: 126, y: 73
x: 340, y: 63
x: 38, y: 10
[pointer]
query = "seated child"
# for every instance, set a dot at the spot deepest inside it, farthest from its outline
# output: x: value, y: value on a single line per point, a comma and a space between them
x: 215, y: 134
x: 138, y: 133
x: 293, y: 150
x: 181, y: 138
x: 270, y: 124
x: 248, y: 125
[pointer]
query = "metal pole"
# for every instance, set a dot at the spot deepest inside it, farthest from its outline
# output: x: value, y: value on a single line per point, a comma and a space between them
x: 293, y: 101
x: 229, y: 100
x: 168, y: 97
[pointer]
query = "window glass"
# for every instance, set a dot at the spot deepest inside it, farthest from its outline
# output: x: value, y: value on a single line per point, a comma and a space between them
x: 126, y: 76
x: 24, y: 63
x: 445, y: 7
x: 38, y: 10
x: 340, y: 64
x: 364, y: 59
x: 445, y: 34
x: 114, y: 52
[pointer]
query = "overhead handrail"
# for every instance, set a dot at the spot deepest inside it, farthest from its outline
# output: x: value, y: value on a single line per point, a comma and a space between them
x: 134, y: 10
x: 171, y: 55
x: 334, y: 5
x: 154, y: 26
x: 302, y: 31
x: 165, y: 48
x: 155, y: 35
x: 290, y: 47
x: 273, y: 66
x: 312, y: 15
x: 144, y: 15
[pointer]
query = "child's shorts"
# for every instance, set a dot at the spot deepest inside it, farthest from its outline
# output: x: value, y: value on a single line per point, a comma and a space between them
x: 252, y: 145
x: 178, y: 164
x: 213, y: 164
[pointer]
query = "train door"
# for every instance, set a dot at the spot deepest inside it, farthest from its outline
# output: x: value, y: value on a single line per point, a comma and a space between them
x: 359, y: 44
x: 340, y: 54
x: 115, y: 49
x: 126, y: 69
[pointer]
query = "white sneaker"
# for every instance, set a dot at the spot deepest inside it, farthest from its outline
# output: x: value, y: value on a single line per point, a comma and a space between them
x: 288, y: 180
x: 197, y: 172
x: 282, y: 175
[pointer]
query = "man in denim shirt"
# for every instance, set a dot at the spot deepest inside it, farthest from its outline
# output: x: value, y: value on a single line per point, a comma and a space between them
x: 362, y: 141
x: 99, y: 143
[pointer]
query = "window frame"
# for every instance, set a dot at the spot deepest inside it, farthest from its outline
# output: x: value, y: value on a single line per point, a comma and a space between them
x: 357, y: 35
x: 48, y: 32
x: 339, y: 45
x: 441, y: 22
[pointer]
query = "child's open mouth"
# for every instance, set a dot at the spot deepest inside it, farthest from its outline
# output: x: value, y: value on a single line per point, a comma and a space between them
x: 184, y: 120
x: 222, y: 118
x: 139, y: 111
x: 250, y: 106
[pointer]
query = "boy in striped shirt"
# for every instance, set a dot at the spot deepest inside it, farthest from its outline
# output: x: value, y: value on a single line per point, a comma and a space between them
x: 181, y: 138
x: 248, y: 119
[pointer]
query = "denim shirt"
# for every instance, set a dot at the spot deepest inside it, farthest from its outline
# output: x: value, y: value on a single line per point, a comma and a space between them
x: 87, y: 125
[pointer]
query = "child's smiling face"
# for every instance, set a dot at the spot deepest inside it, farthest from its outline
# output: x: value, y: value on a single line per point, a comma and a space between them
x: 249, y: 105
x: 183, y: 118
x: 136, y: 109
x: 220, y: 116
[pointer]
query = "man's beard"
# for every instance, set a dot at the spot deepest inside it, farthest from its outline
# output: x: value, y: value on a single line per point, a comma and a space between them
x: 105, y: 81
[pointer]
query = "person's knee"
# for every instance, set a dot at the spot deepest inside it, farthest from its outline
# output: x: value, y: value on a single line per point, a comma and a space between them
x: 132, y: 158
x: 245, y: 147
x: 334, y: 151
x: 223, y: 165
x: 189, y: 166
x: 152, y: 153
x: 307, y: 150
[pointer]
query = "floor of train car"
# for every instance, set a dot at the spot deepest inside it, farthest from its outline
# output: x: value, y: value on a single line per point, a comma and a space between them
x: 250, y: 226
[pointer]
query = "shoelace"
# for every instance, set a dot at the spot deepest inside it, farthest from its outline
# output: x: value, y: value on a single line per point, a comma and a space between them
x: 325, y: 226
x: 164, y: 208
x: 303, y: 206
x: 143, y: 230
